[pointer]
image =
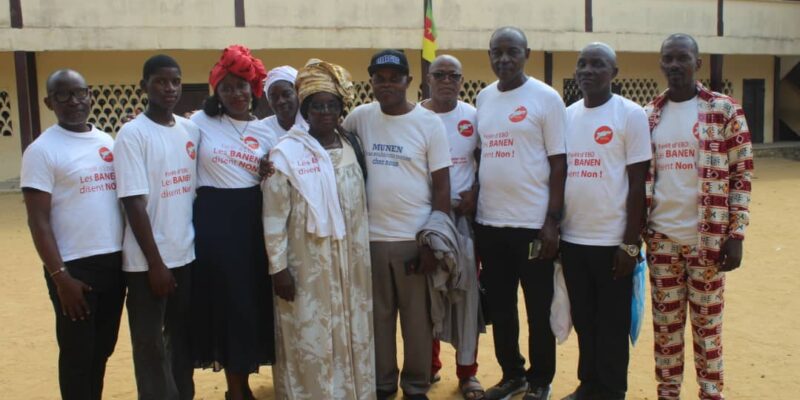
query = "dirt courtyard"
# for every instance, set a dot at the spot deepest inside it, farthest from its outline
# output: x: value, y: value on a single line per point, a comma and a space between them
x: 761, y: 339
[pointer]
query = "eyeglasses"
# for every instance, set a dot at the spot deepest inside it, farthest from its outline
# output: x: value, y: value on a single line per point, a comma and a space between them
x: 63, y: 96
x: 333, y: 108
x: 441, y: 76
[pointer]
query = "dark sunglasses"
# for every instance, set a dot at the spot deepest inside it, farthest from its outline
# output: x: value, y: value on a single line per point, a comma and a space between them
x: 441, y: 76
x: 325, y: 107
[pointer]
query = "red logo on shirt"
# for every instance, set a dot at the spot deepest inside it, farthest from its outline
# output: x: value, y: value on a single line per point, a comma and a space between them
x: 465, y: 128
x: 106, y: 154
x: 696, y: 130
x: 190, y: 150
x: 519, y: 114
x: 603, y: 135
x: 251, y: 142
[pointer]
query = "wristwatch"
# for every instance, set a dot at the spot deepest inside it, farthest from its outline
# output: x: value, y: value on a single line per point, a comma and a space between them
x: 631, y: 249
x: 555, y: 215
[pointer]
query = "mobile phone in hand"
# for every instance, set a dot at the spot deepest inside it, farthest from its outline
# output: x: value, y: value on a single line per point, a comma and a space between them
x: 534, y: 249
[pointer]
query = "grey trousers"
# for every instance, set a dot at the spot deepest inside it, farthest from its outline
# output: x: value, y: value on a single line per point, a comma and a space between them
x: 162, y: 358
x: 396, y: 289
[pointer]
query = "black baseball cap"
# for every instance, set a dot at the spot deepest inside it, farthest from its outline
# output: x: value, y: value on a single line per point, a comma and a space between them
x: 388, y: 59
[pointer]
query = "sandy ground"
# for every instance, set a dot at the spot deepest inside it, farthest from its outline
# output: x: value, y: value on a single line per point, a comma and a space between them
x: 762, y: 350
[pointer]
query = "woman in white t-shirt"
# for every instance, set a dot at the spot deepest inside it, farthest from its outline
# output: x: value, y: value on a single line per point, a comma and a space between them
x: 231, y: 292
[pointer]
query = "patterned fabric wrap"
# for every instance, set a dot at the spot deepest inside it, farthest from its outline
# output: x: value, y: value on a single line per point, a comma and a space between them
x: 724, y: 164
x: 237, y: 60
x: 320, y: 76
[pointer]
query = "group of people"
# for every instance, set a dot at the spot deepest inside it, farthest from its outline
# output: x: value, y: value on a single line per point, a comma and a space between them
x: 297, y: 240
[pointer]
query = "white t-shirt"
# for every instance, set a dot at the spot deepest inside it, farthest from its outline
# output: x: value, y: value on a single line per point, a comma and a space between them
x: 460, y: 124
x: 601, y: 142
x: 519, y: 129
x: 676, y: 143
x: 228, y: 157
x: 272, y: 124
x: 401, y: 151
x: 77, y: 169
x: 159, y: 162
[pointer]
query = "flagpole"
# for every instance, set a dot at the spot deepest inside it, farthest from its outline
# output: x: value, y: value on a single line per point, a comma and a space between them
x: 424, y: 64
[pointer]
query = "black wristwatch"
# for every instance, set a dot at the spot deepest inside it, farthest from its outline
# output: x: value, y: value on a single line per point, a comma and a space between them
x: 555, y: 215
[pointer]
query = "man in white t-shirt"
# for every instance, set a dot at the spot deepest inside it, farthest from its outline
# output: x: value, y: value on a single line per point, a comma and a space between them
x: 521, y: 176
x: 698, y: 192
x: 608, y: 153
x: 68, y: 182
x: 407, y: 161
x: 445, y: 80
x: 156, y: 175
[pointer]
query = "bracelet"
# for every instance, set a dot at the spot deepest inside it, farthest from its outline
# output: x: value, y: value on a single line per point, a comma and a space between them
x: 58, y: 271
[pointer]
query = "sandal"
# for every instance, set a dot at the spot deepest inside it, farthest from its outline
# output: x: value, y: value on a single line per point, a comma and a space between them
x: 471, y: 388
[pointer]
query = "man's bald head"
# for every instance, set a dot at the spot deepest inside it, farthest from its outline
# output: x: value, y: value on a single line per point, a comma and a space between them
x: 682, y: 38
x: 603, y: 50
x: 62, y: 75
x: 445, y: 59
x: 510, y: 32
x: 445, y: 80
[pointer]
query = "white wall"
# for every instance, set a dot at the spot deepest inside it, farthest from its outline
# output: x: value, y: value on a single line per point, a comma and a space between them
x: 751, y: 27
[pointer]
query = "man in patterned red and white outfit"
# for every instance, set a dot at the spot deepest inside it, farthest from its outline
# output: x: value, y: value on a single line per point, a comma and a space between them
x: 698, y: 192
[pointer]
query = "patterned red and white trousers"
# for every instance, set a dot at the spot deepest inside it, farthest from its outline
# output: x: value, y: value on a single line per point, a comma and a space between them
x: 677, y: 279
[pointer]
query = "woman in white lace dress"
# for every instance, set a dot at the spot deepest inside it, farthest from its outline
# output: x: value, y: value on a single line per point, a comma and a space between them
x: 317, y: 236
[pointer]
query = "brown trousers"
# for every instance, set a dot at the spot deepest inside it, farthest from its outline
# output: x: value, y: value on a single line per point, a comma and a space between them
x: 396, y: 288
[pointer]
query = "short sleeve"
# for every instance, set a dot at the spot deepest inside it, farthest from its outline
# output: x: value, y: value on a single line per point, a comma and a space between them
x: 637, y: 137
x: 554, y: 126
x: 439, y: 147
x: 130, y: 164
x: 37, y: 170
x: 350, y: 123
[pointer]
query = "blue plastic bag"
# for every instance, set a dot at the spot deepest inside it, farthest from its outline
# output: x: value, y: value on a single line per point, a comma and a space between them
x: 637, y: 300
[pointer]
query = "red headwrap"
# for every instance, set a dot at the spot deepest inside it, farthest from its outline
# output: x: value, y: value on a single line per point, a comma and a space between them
x: 237, y: 60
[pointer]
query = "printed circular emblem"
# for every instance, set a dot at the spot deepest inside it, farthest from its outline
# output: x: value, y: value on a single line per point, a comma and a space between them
x: 106, y: 154
x: 603, y: 135
x: 696, y: 130
x: 519, y: 114
x: 190, y: 150
x: 465, y: 128
x: 251, y: 142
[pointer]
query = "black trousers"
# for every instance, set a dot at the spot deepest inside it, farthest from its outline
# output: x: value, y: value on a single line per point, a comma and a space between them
x: 601, y: 315
x: 84, y: 346
x: 506, y: 265
x: 161, y: 337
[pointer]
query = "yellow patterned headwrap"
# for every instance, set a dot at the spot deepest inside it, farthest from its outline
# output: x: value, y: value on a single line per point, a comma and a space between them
x: 320, y: 76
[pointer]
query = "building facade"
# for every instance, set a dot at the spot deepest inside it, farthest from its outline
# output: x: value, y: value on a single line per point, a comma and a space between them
x: 750, y: 49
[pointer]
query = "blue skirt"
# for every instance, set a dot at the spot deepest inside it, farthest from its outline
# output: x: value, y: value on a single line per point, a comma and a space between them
x: 232, y: 315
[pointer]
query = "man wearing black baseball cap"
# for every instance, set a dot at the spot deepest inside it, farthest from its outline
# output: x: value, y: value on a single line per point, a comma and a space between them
x: 408, y: 160
x: 393, y: 59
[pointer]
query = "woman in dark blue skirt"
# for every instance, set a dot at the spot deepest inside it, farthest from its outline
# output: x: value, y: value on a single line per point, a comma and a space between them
x: 231, y: 291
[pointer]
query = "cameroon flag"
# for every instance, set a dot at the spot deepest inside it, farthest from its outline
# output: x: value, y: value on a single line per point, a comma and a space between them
x: 429, y: 36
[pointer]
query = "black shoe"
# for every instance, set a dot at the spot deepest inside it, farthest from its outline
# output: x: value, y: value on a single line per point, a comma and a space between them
x: 580, y: 393
x: 537, y: 393
x: 506, y: 388
x: 385, y: 394
x: 418, y: 396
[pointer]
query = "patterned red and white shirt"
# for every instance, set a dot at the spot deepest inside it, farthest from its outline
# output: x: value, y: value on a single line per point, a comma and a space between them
x: 724, y: 166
